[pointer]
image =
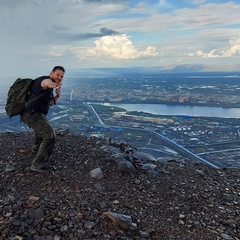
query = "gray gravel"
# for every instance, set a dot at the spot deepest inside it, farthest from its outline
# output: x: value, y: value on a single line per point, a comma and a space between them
x: 178, y: 200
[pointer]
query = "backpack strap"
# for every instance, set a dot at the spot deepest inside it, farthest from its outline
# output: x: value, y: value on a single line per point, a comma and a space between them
x: 35, y: 97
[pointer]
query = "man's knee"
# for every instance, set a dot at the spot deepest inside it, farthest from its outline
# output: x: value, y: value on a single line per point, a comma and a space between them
x: 50, y: 136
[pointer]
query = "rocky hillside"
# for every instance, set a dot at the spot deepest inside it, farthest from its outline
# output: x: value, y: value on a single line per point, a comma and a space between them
x: 106, y: 190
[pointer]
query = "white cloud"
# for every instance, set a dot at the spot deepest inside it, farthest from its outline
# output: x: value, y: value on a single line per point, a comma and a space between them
x: 107, y: 48
x: 57, y: 51
x: 164, y: 3
x: 119, y: 47
x: 232, y: 50
x: 39, y: 33
x: 197, y: 2
x: 186, y: 18
x: 198, y: 53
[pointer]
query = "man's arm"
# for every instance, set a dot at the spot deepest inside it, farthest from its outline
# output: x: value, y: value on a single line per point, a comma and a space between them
x: 48, y: 83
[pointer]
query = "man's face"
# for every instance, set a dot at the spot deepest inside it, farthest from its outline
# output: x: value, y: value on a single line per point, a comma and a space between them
x: 57, y: 76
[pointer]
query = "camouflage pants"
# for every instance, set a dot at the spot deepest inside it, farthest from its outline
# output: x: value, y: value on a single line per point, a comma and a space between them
x: 44, y: 137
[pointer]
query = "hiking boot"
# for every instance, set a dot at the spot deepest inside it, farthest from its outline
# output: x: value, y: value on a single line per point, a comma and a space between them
x: 41, y: 169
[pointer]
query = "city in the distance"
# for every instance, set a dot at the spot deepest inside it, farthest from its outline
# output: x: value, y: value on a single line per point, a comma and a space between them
x: 168, y: 114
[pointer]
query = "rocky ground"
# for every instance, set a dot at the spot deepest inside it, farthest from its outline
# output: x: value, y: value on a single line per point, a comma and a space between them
x: 90, y: 195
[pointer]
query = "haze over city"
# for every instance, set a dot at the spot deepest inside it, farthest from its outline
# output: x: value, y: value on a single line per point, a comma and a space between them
x: 36, y: 35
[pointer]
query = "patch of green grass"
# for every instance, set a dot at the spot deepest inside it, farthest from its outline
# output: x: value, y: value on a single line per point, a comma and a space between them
x: 107, y: 109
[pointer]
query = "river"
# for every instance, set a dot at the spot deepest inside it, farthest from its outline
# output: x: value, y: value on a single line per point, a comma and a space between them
x: 187, y: 110
x: 165, y: 109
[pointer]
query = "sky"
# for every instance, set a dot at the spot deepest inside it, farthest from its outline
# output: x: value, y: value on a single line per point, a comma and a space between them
x: 36, y: 35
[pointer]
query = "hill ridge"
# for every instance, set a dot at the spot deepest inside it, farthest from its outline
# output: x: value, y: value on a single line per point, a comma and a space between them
x: 182, y: 200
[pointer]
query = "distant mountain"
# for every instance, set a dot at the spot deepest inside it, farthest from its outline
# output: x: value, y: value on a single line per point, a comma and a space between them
x: 203, y: 68
x: 186, y: 68
x: 182, y: 68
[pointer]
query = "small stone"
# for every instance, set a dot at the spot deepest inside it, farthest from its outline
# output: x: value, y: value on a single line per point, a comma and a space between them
x: 226, y: 237
x: 97, y: 173
x: 33, y: 198
x: 181, y: 222
x: 181, y: 216
x: 64, y: 228
x: 9, y: 168
x: 89, y: 225
x: 144, y: 234
x: 98, y: 186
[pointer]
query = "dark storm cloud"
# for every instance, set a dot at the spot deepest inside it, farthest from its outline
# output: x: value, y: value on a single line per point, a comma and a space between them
x: 103, y: 32
x: 107, y: 32
x: 62, y: 36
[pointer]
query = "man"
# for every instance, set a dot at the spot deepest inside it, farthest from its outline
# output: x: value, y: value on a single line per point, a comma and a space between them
x: 35, y: 116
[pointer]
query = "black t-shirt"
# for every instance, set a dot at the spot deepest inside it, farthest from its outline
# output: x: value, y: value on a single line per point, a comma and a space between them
x: 40, y: 105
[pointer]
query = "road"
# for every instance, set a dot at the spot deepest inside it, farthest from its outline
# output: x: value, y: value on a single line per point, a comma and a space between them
x: 174, y: 145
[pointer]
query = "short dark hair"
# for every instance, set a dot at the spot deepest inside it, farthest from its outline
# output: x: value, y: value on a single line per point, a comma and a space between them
x: 58, y: 68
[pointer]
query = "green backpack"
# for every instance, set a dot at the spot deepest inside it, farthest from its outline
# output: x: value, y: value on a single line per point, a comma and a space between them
x: 17, y: 95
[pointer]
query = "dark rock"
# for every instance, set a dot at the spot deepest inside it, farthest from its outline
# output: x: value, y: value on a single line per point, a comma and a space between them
x: 165, y: 200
